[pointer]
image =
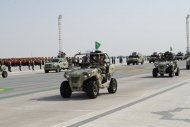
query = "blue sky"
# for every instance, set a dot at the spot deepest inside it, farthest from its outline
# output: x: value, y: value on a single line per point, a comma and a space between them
x: 29, y: 27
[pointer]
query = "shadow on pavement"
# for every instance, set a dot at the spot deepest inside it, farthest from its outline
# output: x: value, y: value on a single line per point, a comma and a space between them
x: 74, y: 97
x: 166, y: 76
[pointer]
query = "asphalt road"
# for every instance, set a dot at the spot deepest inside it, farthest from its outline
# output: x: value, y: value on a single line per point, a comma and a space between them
x: 27, y: 82
x: 33, y: 100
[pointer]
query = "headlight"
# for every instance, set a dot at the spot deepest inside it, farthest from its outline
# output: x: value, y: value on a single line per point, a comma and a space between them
x: 86, y: 74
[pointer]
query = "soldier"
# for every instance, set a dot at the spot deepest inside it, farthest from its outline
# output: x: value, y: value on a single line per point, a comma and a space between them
x: 120, y: 59
x: 20, y: 64
x: 40, y: 63
x: 29, y: 63
x: 9, y: 66
x: 32, y: 64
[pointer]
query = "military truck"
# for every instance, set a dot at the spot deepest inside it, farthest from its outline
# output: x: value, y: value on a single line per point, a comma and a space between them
x: 180, y: 56
x: 166, y: 64
x: 187, y: 55
x: 93, y: 72
x: 153, y: 57
x: 56, y: 64
x: 135, y: 58
x: 3, y: 71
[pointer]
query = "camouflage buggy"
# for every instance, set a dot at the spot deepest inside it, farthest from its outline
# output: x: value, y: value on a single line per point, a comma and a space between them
x: 3, y: 71
x: 166, y: 65
x: 93, y: 72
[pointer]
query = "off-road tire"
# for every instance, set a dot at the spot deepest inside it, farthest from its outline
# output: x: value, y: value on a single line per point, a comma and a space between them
x: 65, y: 89
x: 177, y: 72
x: 155, y: 72
x: 57, y: 70
x: 4, y: 74
x: 128, y: 63
x: 112, y: 86
x: 171, y: 72
x: 92, y: 89
x: 46, y: 71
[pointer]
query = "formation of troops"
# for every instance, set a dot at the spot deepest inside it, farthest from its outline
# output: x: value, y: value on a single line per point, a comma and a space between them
x: 39, y: 61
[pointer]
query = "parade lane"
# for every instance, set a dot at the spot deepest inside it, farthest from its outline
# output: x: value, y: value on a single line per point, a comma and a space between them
x: 51, y: 110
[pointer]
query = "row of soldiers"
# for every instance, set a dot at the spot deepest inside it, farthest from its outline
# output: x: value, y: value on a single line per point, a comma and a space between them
x: 19, y: 62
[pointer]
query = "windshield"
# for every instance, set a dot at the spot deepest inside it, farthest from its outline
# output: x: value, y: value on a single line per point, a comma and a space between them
x: 55, y: 60
x: 132, y: 56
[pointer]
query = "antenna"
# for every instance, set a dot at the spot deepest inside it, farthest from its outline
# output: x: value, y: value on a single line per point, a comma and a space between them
x: 187, y: 32
x: 59, y: 28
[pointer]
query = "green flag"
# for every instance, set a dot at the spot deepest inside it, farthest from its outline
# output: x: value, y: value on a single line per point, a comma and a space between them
x: 97, y: 45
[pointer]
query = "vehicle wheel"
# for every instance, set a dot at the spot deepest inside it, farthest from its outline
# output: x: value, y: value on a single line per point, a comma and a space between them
x: 155, y: 72
x: 93, y: 89
x: 171, y: 72
x: 187, y: 67
x: 142, y: 62
x: 46, y: 71
x: 128, y: 63
x: 112, y: 86
x: 58, y: 69
x: 4, y: 74
x: 133, y: 63
x: 65, y: 89
x: 149, y: 61
x: 162, y: 75
x: 177, y: 72
x: 137, y: 63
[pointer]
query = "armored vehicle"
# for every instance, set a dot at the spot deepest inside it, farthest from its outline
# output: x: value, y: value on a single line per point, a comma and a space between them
x: 188, y: 63
x: 180, y: 56
x: 166, y: 64
x: 94, y: 72
x: 56, y: 65
x: 153, y: 57
x: 135, y: 58
x: 3, y: 71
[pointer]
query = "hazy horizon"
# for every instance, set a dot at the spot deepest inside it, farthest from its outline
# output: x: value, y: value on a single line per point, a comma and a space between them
x: 30, y: 29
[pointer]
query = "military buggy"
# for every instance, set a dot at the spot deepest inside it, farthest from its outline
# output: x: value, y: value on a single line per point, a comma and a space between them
x: 3, y: 71
x: 166, y: 64
x: 92, y: 72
